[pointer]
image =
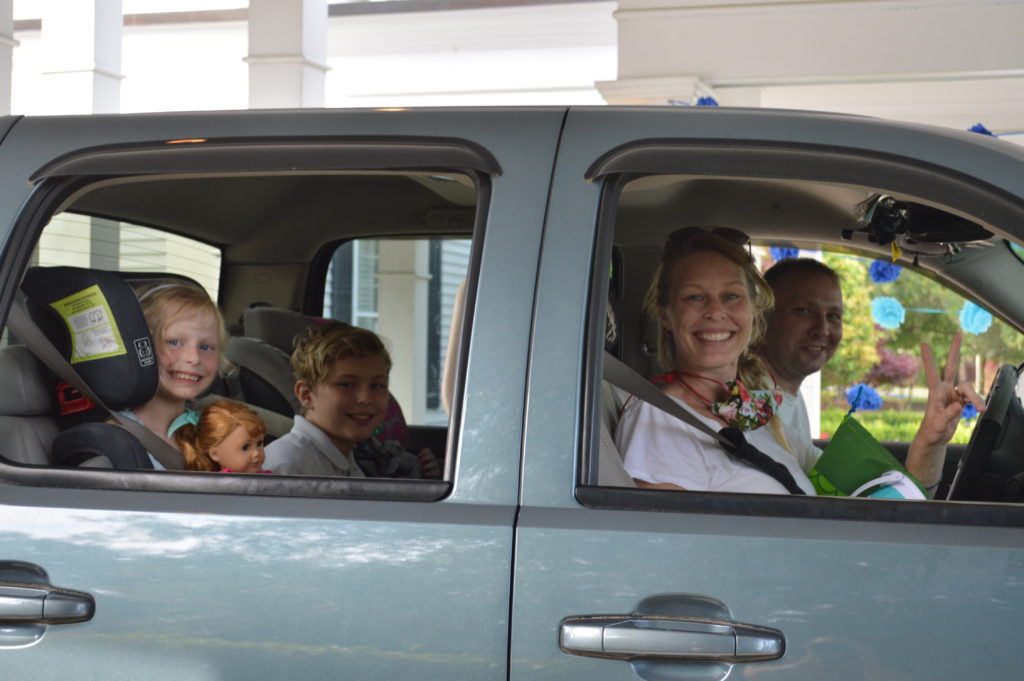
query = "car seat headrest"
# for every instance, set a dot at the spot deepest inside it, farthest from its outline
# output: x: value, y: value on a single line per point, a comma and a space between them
x: 28, y: 385
x: 275, y: 326
x: 95, y: 321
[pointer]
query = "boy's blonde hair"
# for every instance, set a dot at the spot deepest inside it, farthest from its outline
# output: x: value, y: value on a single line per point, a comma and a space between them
x: 329, y: 341
x: 168, y: 301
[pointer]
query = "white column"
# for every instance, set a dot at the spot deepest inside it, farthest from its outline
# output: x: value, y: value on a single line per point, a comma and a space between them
x: 287, y: 53
x: 403, y: 276
x: 7, y: 45
x: 81, y: 44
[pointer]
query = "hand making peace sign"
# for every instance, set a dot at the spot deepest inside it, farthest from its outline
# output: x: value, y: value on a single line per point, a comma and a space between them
x: 946, y: 400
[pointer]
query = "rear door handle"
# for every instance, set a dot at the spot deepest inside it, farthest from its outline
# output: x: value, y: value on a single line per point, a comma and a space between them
x: 632, y: 637
x: 30, y: 604
x: 26, y: 597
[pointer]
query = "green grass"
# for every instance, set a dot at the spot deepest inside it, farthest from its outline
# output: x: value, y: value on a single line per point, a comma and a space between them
x: 887, y: 424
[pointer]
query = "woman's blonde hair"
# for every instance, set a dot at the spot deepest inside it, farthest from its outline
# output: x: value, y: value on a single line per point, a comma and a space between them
x: 692, y: 241
x: 168, y: 301
x: 217, y: 421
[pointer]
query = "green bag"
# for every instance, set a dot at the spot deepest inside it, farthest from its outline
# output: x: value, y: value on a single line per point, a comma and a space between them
x: 853, y: 457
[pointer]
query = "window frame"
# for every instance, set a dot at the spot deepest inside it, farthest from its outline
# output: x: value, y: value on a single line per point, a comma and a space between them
x: 732, y: 159
x: 67, y: 175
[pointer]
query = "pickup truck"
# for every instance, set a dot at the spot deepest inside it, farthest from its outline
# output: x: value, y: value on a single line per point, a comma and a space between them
x: 497, y: 250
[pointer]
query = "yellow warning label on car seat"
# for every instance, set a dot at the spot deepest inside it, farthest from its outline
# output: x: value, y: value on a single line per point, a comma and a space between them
x: 94, y: 333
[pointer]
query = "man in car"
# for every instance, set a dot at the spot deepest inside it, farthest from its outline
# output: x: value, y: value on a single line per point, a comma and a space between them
x: 804, y: 331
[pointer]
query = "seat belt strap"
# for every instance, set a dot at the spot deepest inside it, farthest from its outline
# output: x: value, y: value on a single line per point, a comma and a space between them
x: 732, y: 440
x: 37, y: 342
x: 620, y: 375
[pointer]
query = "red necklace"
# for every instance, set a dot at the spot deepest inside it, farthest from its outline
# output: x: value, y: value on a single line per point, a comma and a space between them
x: 678, y: 375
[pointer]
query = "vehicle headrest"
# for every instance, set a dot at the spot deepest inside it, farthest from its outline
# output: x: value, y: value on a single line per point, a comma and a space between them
x: 28, y: 387
x: 275, y: 326
x: 95, y: 321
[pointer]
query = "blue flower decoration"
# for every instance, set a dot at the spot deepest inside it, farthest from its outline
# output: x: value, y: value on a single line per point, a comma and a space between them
x: 888, y: 313
x: 979, y: 128
x: 883, y: 272
x: 969, y: 411
x: 783, y: 253
x: 863, y: 396
x: 974, y: 319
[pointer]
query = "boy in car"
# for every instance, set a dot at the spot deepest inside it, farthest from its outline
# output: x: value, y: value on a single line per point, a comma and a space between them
x: 342, y: 384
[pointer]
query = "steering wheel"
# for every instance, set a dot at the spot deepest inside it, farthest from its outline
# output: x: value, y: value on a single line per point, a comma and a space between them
x: 990, y: 460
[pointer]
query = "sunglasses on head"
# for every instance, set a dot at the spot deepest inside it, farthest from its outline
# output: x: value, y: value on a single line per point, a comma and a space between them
x: 687, y: 234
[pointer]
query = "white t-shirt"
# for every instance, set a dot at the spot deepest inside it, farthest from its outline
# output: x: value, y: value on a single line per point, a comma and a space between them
x: 657, y: 447
x: 797, y: 426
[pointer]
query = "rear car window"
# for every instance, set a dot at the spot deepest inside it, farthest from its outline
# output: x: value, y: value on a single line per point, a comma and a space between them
x: 317, y: 246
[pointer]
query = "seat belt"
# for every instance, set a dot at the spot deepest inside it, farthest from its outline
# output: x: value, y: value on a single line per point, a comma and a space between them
x: 731, y: 438
x: 37, y: 342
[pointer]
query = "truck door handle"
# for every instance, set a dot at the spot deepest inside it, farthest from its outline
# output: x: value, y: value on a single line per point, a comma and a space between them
x: 26, y: 597
x: 629, y: 637
x: 31, y: 604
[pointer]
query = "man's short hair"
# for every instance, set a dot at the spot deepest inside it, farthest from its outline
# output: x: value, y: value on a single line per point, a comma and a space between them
x: 801, y: 266
x: 328, y: 342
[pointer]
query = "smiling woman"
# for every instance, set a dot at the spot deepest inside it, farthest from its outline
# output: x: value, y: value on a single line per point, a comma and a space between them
x: 710, y: 301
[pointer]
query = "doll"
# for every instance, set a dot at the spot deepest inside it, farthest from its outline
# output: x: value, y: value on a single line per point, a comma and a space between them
x: 226, y: 437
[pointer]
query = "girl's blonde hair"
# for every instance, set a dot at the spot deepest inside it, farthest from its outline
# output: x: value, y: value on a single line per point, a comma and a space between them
x: 217, y: 421
x: 168, y: 301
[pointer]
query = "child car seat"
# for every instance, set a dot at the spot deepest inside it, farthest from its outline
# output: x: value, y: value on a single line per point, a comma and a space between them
x: 94, y: 320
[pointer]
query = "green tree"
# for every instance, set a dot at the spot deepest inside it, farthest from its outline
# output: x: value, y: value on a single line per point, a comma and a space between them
x: 856, y: 354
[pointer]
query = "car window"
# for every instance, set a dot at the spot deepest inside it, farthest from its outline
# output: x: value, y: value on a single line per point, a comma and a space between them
x: 914, y: 287
x: 269, y: 244
x: 84, y: 241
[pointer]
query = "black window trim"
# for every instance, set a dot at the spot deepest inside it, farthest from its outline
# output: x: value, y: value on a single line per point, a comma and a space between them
x: 224, y: 155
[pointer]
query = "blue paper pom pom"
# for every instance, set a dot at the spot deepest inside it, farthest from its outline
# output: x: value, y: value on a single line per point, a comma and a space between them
x: 979, y: 128
x: 969, y: 412
x: 883, y: 272
x: 974, y: 319
x: 783, y: 253
x: 888, y: 313
x: 863, y: 396
x: 707, y: 101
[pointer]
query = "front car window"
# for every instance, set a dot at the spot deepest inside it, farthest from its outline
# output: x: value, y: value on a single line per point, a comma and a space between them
x: 900, y: 290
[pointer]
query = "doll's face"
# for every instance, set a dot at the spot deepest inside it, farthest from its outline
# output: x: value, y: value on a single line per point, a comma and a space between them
x: 239, y: 452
